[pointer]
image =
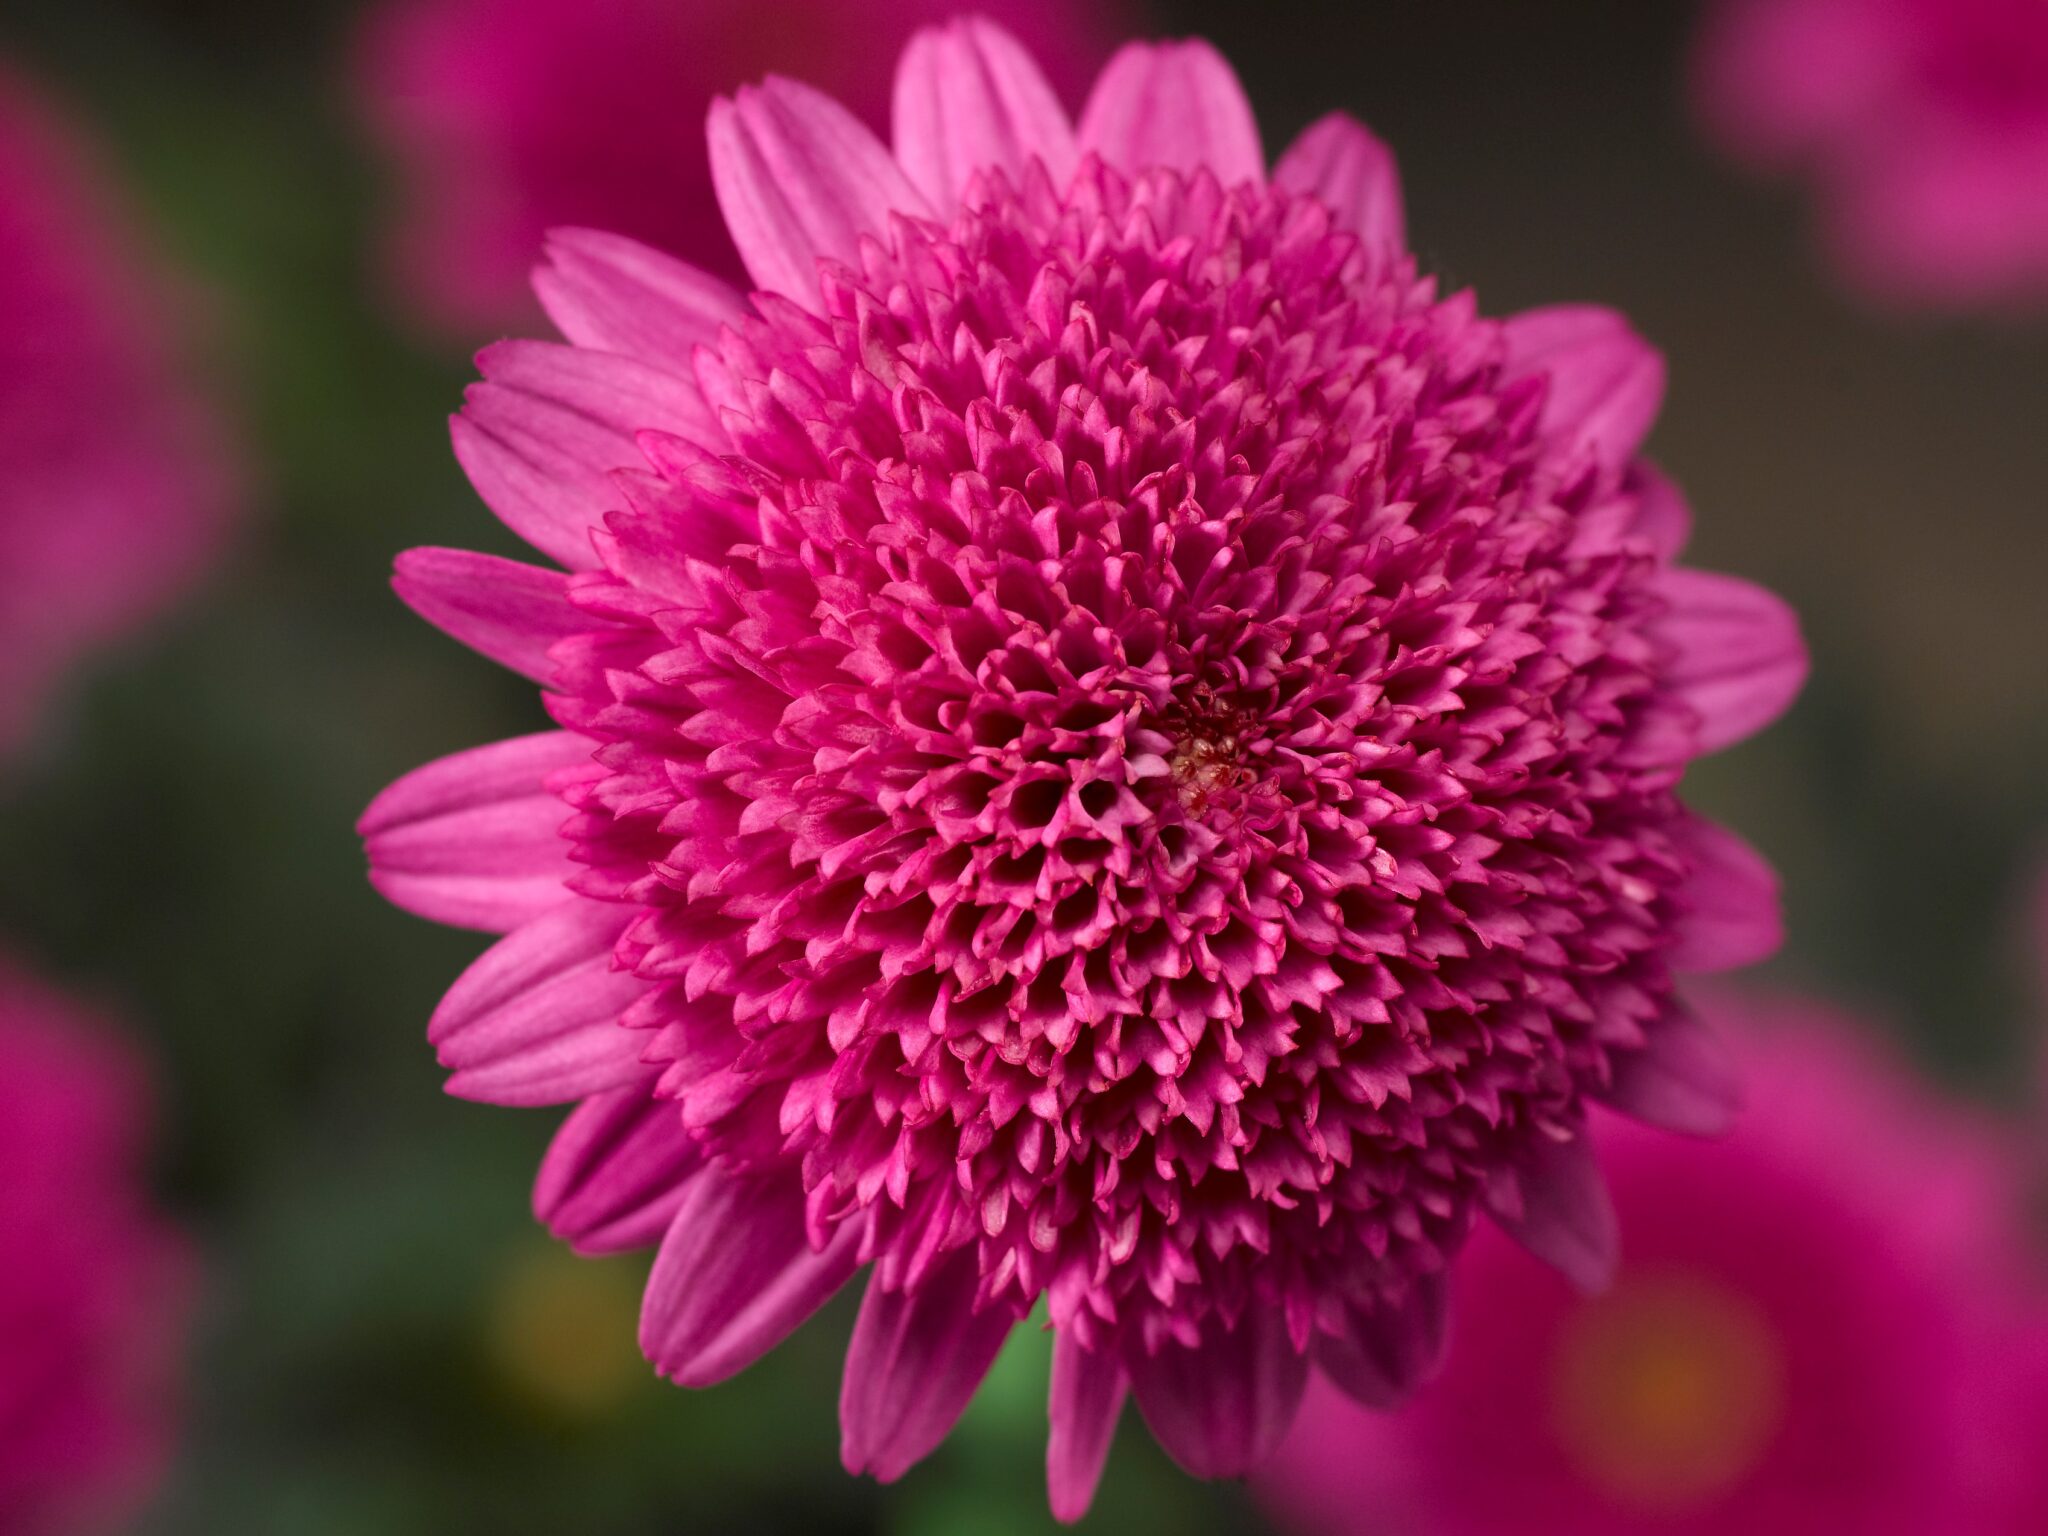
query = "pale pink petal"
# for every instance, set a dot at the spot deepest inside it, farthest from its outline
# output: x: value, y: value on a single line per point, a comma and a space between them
x: 1340, y: 162
x: 1606, y: 382
x: 541, y: 437
x: 1220, y: 1409
x: 737, y: 1274
x: 536, y: 1019
x: 475, y: 839
x: 969, y: 98
x: 1663, y: 521
x: 1176, y: 105
x: 1683, y: 1079
x: 1087, y: 1399
x: 615, y: 1173
x: 800, y: 178
x: 617, y: 295
x: 1733, y: 916
x: 1386, y: 1352
x: 1741, y: 659
x: 509, y: 612
x: 914, y: 1363
x: 1552, y: 1200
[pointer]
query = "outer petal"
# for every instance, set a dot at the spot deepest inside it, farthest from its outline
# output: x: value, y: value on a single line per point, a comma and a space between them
x: 510, y: 612
x: 1339, y: 161
x: 1088, y: 1390
x: 536, y: 1019
x: 1683, y: 1079
x: 616, y: 295
x: 474, y: 839
x: 1176, y: 105
x: 1733, y: 917
x: 736, y: 1275
x: 1606, y: 382
x: 1741, y: 660
x: 1219, y: 1410
x: 540, y: 437
x: 1663, y: 520
x: 1388, y: 1352
x: 969, y: 98
x: 616, y: 1171
x: 799, y: 177
x: 915, y: 1360
x: 1553, y: 1202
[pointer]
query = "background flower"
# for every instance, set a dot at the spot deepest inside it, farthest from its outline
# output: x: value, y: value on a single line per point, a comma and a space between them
x: 1830, y: 1320
x: 93, y: 1288
x: 504, y: 119
x: 113, y: 489
x: 1924, y: 124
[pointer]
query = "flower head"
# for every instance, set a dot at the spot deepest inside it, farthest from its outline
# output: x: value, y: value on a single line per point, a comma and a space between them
x: 92, y: 1292
x: 504, y: 119
x: 1115, y: 747
x: 1925, y: 123
x: 1824, y: 1323
x: 112, y: 485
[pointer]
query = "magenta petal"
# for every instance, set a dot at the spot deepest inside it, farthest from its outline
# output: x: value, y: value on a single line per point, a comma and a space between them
x: 1386, y: 1352
x: 969, y: 98
x: 1741, y: 660
x: 1733, y: 916
x: 799, y: 177
x: 1684, y: 1078
x: 615, y: 1173
x: 737, y: 1274
x: 542, y: 435
x: 475, y: 839
x: 536, y: 1019
x: 509, y: 612
x: 1552, y: 1200
x: 1087, y: 1399
x: 1177, y: 105
x: 914, y: 1363
x: 1339, y: 161
x: 1220, y: 1409
x: 617, y: 295
x: 1606, y: 382
x: 1663, y: 521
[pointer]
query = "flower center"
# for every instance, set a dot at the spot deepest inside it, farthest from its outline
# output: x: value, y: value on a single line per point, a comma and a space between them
x: 1668, y: 1392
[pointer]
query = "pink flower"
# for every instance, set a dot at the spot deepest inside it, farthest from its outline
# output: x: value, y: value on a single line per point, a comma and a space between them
x: 93, y: 1287
x: 1925, y: 123
x: 504, y: 119
x: 1816, y: 1328
x: 112, y: 489
x: 1114, y: 747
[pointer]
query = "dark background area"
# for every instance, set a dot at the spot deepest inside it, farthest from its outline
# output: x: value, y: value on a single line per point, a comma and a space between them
x: 389, y: 1344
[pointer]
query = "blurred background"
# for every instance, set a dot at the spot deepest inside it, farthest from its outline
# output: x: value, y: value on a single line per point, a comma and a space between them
x: 386, y: 1341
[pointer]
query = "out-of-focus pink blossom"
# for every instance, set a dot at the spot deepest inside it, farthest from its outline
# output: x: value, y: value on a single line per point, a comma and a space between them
x: 113, y: 486
x: 93, y: 1284
x: 1827, y: 1322
x: 1115, y: 745
x: 504, y: 119
x: 1923, y: 123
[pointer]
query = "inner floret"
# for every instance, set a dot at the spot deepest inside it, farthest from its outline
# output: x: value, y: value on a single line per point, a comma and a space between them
x: 1123, y: 761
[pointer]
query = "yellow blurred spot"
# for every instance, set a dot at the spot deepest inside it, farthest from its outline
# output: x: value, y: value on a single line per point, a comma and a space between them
x: 1668, y: 1392
x: 562, y: 1332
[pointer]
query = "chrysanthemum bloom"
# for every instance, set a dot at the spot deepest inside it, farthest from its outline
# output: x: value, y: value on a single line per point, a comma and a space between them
x: 503, y: 119
x: 93, y: 1285
x: 1925, y: 123
x: 112, y: 485
x: 1808, y: 1333
x: 1114, y: 747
